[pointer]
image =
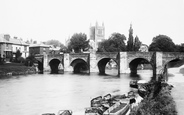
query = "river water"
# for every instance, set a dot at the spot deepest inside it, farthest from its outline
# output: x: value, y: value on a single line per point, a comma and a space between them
x: 48, y: 93
x: 176, y: 78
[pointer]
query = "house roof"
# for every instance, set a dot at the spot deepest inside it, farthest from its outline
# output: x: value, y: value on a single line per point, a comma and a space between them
x: 39, y: 45
x: 5, y: 38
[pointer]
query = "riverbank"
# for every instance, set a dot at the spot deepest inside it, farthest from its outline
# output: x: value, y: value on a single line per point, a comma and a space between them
x: 11, y: 69
x: 157, y: 101
x: 178, y: 82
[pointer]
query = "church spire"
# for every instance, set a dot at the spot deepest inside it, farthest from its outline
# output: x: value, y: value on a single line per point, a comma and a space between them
x: 130, y: 30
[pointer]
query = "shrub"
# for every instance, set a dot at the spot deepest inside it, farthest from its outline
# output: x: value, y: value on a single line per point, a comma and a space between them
x: 160, y: 104
x: 20, y: 60
x: 30, y: 60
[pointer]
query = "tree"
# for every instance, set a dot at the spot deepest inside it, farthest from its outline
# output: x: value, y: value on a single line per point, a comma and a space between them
x: 179, y: 48
x: 162, y: 43
x: 115, y: 43
x: 30, y: 60
x: 17, y: 55
x: 55, y: 43
x: 35, y: 42
x: 130, y: 42
x: 78, y: 42
x: 63, y: 48
x: 137, y: 44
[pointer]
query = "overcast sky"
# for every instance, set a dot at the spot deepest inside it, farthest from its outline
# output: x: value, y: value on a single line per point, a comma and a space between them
x: 42, y: 20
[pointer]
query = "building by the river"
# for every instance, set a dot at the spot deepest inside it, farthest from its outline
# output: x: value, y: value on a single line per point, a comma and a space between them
x: 10, y: 45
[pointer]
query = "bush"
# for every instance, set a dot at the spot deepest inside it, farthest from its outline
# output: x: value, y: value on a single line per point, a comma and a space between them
x: 161, y: 104
x: 30, y: 60
x: 20, y: 60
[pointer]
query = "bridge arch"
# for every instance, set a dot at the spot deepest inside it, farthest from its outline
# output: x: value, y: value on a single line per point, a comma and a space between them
x: 80, y: 66
x: 171, y: 63
x: 40, y: 66
x: 102, y: 64
x: 39, y: 61
x: 134, y: 63
x: 56, y: 65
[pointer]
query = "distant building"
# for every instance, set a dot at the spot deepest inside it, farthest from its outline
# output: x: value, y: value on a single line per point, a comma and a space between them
x: 54, y: 50
x: 35, y: 49
x: 9, y: 46
x: 97, y: 34
x: 143, y: 48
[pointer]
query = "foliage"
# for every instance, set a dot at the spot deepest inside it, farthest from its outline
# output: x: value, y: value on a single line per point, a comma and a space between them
x: 17, y: 55
x: 137, y: 44
x: 20, y: 60
x: 63, y: 49
x: 160, y: 104
x: 15, y: 69
x: 162, y: 43
x: 133, y: 44
x: 179, y: 48
x: 115, y: 43
x: 55, y: 43
x: 30, y: 60
x: 130, y: 42
x: 78, y: 42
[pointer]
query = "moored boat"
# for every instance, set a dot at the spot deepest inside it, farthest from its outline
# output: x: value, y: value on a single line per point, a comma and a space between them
x: 119, y: 108
x: 65, y: 112
x: 133, y: 84
x: 96, y: 102
x: 60, y: 112
x: 141, y: 88
x: 93, y: 111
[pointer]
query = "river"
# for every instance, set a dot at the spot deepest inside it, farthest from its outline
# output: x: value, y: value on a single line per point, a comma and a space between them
x: 176, y: 78
x: 42, y: 93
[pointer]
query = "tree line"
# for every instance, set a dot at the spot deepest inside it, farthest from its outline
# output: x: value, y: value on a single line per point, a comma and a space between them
x: 116, y: 42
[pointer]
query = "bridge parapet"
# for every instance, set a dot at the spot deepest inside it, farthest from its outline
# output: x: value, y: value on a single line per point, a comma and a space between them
x: 39, y: 58
x: 145, y: 55
x: 84, y: 56
x: 111, y: 55
x: 179, y: 55
x: 60, y: 57
x: 169, y: 56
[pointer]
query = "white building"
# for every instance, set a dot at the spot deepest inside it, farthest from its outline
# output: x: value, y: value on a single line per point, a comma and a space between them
x: 9, y: 46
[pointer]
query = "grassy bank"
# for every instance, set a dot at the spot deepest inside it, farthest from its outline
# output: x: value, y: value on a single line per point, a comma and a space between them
x: 15, y: 69
x: 158, y: 101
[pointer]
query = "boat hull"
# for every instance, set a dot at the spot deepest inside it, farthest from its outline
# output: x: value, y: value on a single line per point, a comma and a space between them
x: 118, y: 109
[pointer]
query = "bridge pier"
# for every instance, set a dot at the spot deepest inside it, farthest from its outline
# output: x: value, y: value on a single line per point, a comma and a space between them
x: 93, y: 62
x: 124, y: 68
x: 46, y: 66
x: 133, y: 70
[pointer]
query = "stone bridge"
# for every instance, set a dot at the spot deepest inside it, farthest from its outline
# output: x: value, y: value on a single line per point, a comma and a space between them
x: 53, y: 63
x: 80, y: 62
x: 103, y: 58
x: 96, y: 62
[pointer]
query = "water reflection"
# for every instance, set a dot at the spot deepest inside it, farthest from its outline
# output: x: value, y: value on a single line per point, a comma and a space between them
x: 42, y: 93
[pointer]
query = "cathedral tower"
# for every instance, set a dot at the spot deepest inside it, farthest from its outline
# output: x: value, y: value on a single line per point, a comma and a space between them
x: 97, y: 34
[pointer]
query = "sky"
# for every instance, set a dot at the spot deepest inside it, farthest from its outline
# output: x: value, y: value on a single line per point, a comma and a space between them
x: 44, y: 20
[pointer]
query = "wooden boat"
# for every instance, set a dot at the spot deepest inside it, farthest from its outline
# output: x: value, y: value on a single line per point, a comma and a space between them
x: 141, y: 89
x: 93, y: 111
x: 119, y: 108
x: 133, y: 84
x: 96, y: 102
x: 61, y: 112
x: 49, y: 114
x: 65, y: 112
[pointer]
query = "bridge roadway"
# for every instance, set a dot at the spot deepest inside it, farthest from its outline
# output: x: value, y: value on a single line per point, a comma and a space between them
x: 96, y: 62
